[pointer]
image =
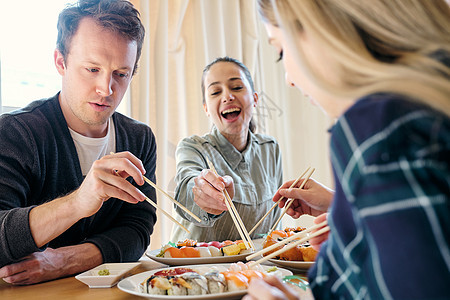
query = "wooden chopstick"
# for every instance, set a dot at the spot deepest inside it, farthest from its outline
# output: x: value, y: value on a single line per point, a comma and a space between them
x: 234, y: 214
x: 287, y: 240
x: 170, y: 197
x: 290, y: 202
x: 167, y: 214
x: 158, y: 207
x: 290, y: 246
x: 276, y: 203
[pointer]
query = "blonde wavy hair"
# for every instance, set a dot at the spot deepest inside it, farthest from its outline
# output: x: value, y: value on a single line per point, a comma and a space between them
x: 393, y: 46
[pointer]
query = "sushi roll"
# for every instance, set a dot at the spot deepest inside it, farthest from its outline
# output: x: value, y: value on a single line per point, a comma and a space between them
x: 216, y: 282
x: 155, y: 285
x: 179, y: 286
x: 198, y: 283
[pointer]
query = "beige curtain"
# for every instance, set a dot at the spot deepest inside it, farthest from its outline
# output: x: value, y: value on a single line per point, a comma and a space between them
x: 182, y: 37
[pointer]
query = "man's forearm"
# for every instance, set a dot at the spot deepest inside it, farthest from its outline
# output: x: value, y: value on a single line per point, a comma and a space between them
x: 52, y: 263
x: 49, y: 220
x: 79, y: 258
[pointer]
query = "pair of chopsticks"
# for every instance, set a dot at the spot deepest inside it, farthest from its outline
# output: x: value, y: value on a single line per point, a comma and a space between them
x: 281, y: 198
x: 171, y: 199
x: 323, y: 228
x: 245, y: 236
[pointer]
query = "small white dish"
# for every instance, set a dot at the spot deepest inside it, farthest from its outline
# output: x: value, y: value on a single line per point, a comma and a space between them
x: 117, y: 271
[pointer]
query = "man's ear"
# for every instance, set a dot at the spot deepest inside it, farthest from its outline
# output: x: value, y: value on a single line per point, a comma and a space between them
x: 59, y: 62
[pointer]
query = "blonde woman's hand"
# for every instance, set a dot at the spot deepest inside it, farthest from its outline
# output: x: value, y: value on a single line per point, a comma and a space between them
x: 270, y: 288
x: 313, y: 199
x: 208, y: 191
x: 316, y: 242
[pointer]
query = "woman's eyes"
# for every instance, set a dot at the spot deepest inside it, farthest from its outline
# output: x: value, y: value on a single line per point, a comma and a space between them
x: 236, y: 88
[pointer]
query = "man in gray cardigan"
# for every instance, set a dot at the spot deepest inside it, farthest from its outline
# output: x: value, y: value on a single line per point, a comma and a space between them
x: 66, y: 203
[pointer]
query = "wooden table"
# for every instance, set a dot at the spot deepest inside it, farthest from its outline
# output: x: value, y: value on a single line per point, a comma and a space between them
x: 71, y: 288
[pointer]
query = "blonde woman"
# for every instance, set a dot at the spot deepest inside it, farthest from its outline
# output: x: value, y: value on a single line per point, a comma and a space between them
x: 381, y: 69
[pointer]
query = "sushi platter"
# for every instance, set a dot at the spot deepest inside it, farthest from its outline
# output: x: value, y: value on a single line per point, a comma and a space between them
x: 217, y: 281
x: 195, y: 260
x: 191, y: 252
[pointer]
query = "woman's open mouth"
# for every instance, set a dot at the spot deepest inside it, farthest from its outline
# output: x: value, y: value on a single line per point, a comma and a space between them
x: 231, y: 114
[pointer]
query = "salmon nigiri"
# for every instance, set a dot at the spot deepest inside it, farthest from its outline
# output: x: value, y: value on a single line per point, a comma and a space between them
x: 235, y: 281
x: 251, y: 274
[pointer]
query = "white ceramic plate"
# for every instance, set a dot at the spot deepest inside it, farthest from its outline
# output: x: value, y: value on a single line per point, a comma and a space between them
x: 299, y: 265
x: 131, y: 285
x: 196, y: 260
x: 117, y: 271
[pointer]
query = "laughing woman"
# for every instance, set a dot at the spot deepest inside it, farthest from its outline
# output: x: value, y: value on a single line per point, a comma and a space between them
x: 249, y: 163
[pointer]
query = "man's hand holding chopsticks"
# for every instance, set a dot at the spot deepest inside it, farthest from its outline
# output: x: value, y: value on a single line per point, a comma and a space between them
x: 107, y: 179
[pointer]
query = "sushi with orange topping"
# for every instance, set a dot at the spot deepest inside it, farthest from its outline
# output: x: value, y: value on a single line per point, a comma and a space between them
x: 303, y: 252
x: 185, y: 281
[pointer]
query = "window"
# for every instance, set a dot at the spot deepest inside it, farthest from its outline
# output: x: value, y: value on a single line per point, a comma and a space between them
x: 28, y: 39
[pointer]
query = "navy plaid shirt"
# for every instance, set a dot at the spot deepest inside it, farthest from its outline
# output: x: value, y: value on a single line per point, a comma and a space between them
x: 390, y: 221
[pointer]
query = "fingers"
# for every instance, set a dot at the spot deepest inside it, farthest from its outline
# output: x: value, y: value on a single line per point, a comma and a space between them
x: 293, y: 193
x: 316, y: 242
x: 287, y: 291
x: 119, y: 188
x: 321, y: 218
x: 126, y: 164
x: 209, y: 199
x: 107, y: 179
x: 229, y: 185
x: 209, y: 191
x: 271, y: 288
x: 212, y: 179
x: 10, y: 270
x: 277, y: 195
x: 16, y: 273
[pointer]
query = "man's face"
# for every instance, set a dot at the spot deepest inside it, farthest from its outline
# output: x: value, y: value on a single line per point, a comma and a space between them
x: 95, y: 76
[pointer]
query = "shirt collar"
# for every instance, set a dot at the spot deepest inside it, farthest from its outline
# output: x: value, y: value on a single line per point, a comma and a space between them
x: 232, y: 156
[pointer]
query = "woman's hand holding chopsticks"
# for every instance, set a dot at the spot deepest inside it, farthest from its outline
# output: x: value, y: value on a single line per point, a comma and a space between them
x: 208, y: 191
x: 317, y: 241
x: 313, y: 199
